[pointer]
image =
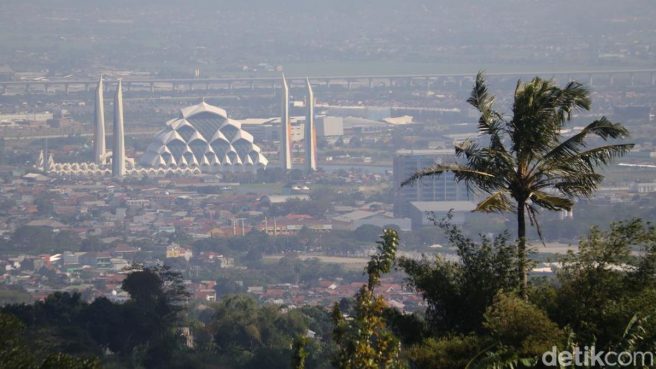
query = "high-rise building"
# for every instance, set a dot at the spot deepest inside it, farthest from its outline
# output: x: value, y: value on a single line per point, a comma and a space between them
x: 433, y: 188
x: 118, y: 149
x: 99, y: 149
x: 310, y: 131
x: 285, y: 130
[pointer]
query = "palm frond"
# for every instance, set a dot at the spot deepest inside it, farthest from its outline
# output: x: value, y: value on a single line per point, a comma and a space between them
x: 539, y: 113
x: 487, y: 159
x: 467, y: 148
x: 583, y: 184
x: 498, y: 356
x: 533, y: 218
x: 536, y: 123
x: 573, y: 97
x: 479, y: 97
x: 602, y: 128
x: 462, y: 173
x: 634, y: 334
x: 551, y: 202
x: 497, y: 202
x: 602, y: 155
x: 490, y: 121
x: 574, y: 175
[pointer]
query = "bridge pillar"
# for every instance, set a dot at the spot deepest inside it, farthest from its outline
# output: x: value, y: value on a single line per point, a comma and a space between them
x: 46, y: 87
x: 207, y: 86
x: 3, y: 90
x: 348, y: 84
x: 252, y: 85
x: 611, y: 79
x: 632, y: 78
x: 152, y: 88
x: 370, y: 83
x: 653, y: 78
x: 590, y: 80
x: 66, y: 88
x: 27, y: 88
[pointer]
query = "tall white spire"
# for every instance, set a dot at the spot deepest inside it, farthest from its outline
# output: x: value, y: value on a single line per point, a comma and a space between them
x: 99, y: 121
x: 46, y: 154
x: 118, y: 150
x: 285, y: 130
x: 41, y: 161
x: 310, y: 131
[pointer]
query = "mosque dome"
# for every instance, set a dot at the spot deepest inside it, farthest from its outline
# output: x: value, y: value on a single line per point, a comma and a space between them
x: 204, y: 137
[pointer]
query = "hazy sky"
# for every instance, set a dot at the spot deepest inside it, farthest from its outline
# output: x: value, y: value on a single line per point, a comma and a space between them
x: 166, y: 35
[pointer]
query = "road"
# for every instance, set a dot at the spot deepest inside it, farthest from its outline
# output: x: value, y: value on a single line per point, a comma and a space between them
x: 189, y: 84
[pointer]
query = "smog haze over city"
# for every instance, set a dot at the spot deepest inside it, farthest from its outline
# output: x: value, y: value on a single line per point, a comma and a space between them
x: 327, y: 184
x: 320, y: 37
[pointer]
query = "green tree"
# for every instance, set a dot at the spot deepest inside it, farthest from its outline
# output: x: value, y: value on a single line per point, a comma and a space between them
x: 366, y: 342
x: 15, y: 353
x: 452, y: 352
x: 152, y: 316
x: 517, y: 333
x: 521, y: 326
x: 525, y: 164
x: 607, y: 282
x: 299, y: 353
x: 248, y: 335
x: 457, y: 292
x: 366, y: 232
x: 63, y: 361
x: 12, y: 349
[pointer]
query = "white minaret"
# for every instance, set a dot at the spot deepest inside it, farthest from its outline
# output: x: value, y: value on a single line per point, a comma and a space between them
x: 285, y: 130
x: 46, y: 154
x: 41, y: 161
x: 118, y: 150
x: 99, y: 121
x: 310, y: 131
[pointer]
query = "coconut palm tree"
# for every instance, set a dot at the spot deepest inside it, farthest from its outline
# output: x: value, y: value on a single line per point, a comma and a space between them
x: 523, y: 163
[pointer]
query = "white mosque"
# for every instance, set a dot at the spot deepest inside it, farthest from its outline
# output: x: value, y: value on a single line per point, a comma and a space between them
x: 202, y: 139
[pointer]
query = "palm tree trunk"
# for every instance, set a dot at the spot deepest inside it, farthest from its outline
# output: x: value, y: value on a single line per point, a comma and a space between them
x: 521, y: 249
